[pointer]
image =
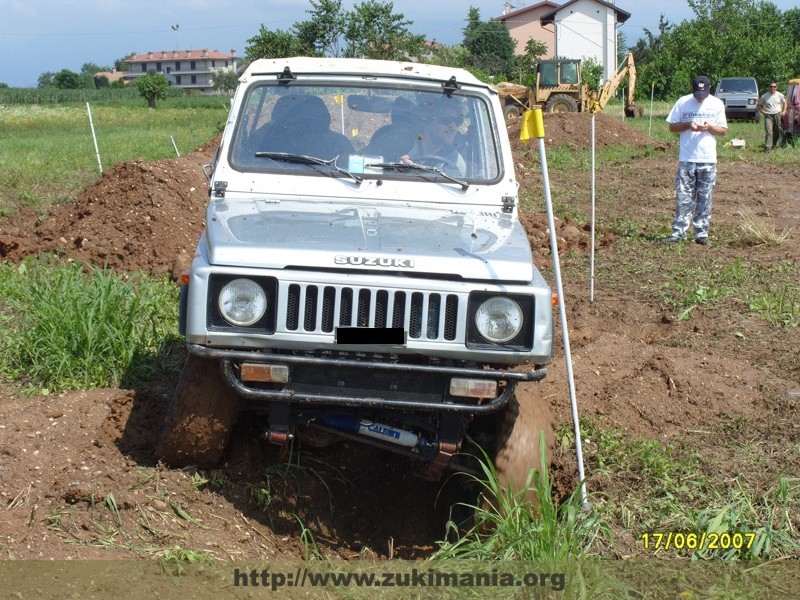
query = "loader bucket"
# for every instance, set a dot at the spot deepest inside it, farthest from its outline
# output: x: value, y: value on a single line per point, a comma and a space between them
x: 634, y: 111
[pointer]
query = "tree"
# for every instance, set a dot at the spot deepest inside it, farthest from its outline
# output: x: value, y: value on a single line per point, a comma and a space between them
x: 272, y: 44
x: 91, y: 68
x: 225, y: 81
x: 152, y: 87
x: 525, y: 64
x: 727, y: 38
x: 447, y: 56
x: 321, y: 34
x: 591, y: 72
x: 651, y: 42
x: 3, y: 86
x: 121, y: 65
x: 67, y: 80
x: 373, y: 30
x: 490, y: 45
x: 46, y: 79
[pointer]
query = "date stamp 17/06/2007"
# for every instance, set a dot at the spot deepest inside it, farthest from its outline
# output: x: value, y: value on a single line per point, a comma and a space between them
x: 692, y: 540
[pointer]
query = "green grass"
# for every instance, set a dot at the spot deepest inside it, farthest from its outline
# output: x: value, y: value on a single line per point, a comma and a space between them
x: 752, y: 133
x: 509, y: 526
x: 47, y: 155
x: 65, y: 326
x: 661, y: 487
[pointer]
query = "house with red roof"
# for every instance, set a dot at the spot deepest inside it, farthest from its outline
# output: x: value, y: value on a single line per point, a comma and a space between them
x: 575, y: 29
x: 188, y: 69
x: 587, y: 28
x: 525, y: 23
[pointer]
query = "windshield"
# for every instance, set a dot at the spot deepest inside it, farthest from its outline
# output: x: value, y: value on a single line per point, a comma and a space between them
x: 740, y: 86
x: 346, y: 130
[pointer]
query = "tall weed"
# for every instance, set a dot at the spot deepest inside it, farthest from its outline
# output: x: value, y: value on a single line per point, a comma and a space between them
x: 508, y: 526
x: 67, y: 326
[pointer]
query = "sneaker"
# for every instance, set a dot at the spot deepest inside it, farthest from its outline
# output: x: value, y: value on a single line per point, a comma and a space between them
x: 672, y: 239
x: 703, y: 241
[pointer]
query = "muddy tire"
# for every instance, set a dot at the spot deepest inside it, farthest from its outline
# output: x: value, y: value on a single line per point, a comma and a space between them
x: 561, y: 103
x: 200, y: 416
x: 517, y: 448
x: 511, y: 113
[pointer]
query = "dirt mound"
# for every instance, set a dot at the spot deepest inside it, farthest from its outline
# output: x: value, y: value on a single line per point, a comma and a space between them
x: 137, y: 216
x: 574, y: 130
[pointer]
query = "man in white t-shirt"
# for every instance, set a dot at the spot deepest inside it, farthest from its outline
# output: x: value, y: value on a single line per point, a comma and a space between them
x: 773, y: 106
x: 699, y: 119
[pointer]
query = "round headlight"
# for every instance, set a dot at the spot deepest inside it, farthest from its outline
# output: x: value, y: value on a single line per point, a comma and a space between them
x: 499, y: 319
x: 242, y: 302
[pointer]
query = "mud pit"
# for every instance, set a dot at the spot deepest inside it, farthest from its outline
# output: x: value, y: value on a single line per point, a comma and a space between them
x: 637, y: 368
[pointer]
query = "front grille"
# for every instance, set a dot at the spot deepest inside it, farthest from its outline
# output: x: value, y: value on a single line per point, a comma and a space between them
x: 320, y: 309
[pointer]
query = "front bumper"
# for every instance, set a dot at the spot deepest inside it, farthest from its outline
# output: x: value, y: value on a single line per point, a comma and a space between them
x: 369, y: 383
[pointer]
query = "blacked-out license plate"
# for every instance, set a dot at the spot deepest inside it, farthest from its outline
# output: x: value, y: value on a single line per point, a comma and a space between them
x: 391, y: 336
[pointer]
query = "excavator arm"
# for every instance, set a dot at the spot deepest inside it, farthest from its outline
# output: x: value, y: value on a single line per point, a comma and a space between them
x: 607, y: 92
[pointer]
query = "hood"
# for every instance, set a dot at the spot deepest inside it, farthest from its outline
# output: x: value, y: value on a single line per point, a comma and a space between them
x: 471, y: 243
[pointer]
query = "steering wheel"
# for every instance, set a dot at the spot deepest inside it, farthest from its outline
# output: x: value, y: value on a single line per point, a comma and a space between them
x: 434, y: 160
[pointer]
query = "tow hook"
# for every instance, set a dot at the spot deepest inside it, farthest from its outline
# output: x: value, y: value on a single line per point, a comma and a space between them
x: 277, y: 438
x: 433, y: 470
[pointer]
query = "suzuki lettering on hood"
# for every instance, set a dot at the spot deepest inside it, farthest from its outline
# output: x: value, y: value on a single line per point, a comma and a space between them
x: 374, y: 261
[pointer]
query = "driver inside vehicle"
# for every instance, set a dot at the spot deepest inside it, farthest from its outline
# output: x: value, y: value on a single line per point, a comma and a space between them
x: 437, y: 144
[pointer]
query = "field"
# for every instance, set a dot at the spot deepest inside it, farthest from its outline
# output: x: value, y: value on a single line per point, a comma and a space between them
x: 687, y: 362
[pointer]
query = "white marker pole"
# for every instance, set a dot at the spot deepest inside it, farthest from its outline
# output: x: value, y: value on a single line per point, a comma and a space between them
x: 94, y: 137
x: 538, y: 132
x: 174, y: 145
x: 652, y: 93
x: 591, y: 255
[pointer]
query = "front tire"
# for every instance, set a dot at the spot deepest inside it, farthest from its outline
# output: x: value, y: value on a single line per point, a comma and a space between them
x: 518, y: 449
x: 561, y: 103
x: 200, y: 416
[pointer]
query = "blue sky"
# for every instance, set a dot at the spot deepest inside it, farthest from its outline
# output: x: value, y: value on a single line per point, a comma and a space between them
x: 50, y: 35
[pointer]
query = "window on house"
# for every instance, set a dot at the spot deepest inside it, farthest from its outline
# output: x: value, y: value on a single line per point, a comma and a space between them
x: 226, y: 63
x: 158, y: 67
x: 177, y: 66
x: 192, y: 66
x: 194, y: 79
x: 177, y: 79
x: 213, y: 64
x: 144, y: 67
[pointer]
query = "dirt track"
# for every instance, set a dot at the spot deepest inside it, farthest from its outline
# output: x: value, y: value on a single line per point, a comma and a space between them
x: 637, y: 367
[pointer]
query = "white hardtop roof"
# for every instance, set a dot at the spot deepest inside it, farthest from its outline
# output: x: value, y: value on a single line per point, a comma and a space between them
x: 301, y: 65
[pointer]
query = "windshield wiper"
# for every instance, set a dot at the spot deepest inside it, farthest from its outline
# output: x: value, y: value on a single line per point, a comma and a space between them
x: 304, y: 159
x: 399, y: 166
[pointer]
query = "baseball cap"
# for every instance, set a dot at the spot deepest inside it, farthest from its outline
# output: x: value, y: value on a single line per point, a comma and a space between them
x: 701, y: 85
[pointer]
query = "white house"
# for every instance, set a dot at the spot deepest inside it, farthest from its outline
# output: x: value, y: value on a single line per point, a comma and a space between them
x: 188, y: 69
x: 587, y: 28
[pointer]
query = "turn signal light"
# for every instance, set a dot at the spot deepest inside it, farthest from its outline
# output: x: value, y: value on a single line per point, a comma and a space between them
x: 473, y: 388
x: 264, y: 373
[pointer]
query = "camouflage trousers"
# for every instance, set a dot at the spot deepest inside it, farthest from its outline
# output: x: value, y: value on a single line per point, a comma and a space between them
x: 694, y: 185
